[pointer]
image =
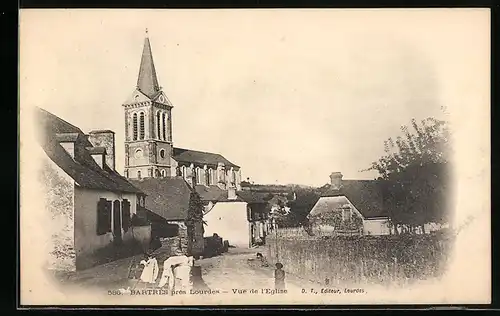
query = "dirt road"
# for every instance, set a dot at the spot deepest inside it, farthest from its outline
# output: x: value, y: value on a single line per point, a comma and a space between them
x: 239, y: 269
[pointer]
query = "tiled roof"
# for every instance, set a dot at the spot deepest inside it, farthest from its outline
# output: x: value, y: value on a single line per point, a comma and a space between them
x: 215, y: 194
x: 82, y: 169
x: 167, y: 197
x: 210, y: 193
x: 200, y: 157
x: 366, y: 195
x: 67, y: 137
x: 252, y: 197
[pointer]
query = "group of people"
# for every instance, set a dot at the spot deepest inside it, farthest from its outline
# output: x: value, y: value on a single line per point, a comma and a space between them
x: 176, y: 272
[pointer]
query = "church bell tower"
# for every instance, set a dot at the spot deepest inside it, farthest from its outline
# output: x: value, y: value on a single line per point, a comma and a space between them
x: 148, y: 124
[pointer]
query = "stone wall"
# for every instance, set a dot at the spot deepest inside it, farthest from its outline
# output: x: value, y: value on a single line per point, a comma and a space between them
x: 174, y: 246
x: 58, y: 191
x: 350, y: 260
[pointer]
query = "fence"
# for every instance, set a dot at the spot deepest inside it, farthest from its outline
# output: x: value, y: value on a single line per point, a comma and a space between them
x: 359, y: 259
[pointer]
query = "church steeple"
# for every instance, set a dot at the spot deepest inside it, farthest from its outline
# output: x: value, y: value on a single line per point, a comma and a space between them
x: 147, y: 82
x: 148, y: 125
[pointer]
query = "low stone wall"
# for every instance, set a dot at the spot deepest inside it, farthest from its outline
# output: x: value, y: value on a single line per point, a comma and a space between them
x: 381, y: 260
x: 173, y: 246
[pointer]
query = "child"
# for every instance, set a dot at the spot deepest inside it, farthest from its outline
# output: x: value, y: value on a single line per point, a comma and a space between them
x: 279, y: 277
x: 150, y: 271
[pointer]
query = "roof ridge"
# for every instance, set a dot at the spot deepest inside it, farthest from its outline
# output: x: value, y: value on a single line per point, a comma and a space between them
x: 63, y: 120
x: 198, y: 151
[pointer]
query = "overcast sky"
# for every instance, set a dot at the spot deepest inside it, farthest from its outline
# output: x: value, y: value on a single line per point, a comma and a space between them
x: 289, y: 95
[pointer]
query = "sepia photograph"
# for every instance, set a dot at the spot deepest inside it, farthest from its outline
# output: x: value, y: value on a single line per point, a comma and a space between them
x: 254, y: 157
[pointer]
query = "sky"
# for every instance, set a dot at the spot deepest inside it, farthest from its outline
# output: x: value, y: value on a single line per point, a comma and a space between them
x: 289, y: 95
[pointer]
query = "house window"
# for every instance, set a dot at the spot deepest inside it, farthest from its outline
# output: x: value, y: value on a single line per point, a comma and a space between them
x: 141, y: 125
x: 183, y: 171
x: 346, y: 213
x: 163, y: 125
x: 233, y: 176
x: 134, y: 126
x: 103, y: 216
x: 139, y: 174
x: 162, y: 153
x: 163, y: 173
x: 158, y: 122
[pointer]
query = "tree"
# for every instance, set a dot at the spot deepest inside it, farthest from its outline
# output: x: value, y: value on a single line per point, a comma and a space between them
x: 300, y: 207
x: 414, y: 173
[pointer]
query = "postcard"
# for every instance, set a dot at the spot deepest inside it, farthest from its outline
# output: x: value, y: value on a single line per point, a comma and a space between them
x: 254, y: 157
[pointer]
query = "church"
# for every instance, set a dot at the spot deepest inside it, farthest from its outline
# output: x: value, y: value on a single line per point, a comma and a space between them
x: 162, y: 171
x: 149, y: 149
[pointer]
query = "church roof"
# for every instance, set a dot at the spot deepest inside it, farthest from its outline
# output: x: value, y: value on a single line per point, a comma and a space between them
x: 82, y: 168
x: 167, y: 197
x: 366, y: 195
x: 147, y: 81
x: 200, y: 157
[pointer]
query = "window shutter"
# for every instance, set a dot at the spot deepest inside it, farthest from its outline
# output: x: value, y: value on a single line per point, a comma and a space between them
x: 103, y: 216
x: 125, y: 214
x: 107, y: 216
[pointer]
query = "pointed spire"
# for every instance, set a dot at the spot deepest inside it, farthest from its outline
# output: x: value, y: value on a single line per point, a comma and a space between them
x: 147, y: 81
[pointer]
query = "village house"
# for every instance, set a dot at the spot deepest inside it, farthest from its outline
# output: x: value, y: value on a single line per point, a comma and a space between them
x: 357, y: 207
x: 240, y: 217
x: 92, y: 208
x: 353, y: 207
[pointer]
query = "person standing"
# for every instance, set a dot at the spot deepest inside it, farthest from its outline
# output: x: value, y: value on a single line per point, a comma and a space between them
x: 150, y: 271
x: 279, y: 277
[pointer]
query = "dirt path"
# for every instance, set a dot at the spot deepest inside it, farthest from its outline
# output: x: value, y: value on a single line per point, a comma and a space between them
x: 234, y: 270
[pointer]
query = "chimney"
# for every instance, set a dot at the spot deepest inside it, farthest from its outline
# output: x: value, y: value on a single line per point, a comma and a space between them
x: 106, y: 139
x: 336, y: 180
x: 231, y: 193
x: 98, y: 154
